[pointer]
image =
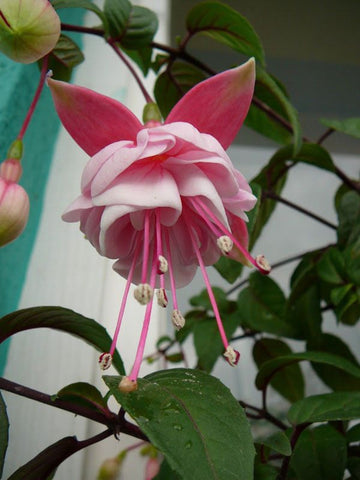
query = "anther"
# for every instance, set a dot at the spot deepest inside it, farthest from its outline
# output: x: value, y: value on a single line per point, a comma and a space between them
x: 162, y: 265
x: 232, y: 356
x: 143, y: 293
x: 127, y: 385
x: 177, y: 319
x: 263, y: 264
x: 162, y: 297
x: 105, y: 360
x: 225, y: 244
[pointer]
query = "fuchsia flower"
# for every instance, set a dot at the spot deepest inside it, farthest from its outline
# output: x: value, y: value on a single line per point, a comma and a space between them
x: 162, y: 199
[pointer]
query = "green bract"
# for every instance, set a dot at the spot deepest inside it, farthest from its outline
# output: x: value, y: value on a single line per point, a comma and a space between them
x: 29, y: 29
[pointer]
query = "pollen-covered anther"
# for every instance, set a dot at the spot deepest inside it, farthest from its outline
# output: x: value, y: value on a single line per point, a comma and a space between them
x: 127, y: 385
x: 177, y: 319
x: 162, y: 299
x: 162, y: 265
x: 232, y: 356
x: 225, y: 244
x: 263, y: 264
x: 105, y: 360
x: 143, y: 293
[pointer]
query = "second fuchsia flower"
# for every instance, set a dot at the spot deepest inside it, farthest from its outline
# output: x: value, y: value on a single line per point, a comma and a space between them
x: 162, y: 199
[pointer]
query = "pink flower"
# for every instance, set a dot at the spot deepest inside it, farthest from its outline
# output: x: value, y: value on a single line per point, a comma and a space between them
x: 14, y: 202
x: 152, y: 468
x: 163, y: 199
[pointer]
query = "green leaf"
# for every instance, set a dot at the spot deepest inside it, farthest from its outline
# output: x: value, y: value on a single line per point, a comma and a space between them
x: 349, y: 218
x: 320, y: 454
x: 4, y: 433
x: 353, y: 434
x: 265, y: 472
x: 172, y: 84
x: 270, y: 368
x: 62, y: 319
x: 86, y: 4
x: 289, y: 382
x: 193, y: 419
x: 132, y: 26
x: 261, y: 306
x: 207, y: 340
x: 141, y: 56
x: 65, y: 56
x: 44, y: 465
x: 349, y: 126
x: 325, y: 408
x: 278, y: 442
x: 269, y: 93
x: 166, y: 472
x: 202, y: 300
x: 82, y: 393
x: 226, y: 26
x: 333, y: 377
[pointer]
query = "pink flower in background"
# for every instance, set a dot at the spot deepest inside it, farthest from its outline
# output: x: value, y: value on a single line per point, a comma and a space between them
x: 162, y: 199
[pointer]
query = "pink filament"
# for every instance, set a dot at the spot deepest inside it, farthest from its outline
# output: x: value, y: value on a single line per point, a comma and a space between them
x: 124, y: 298
x: 146, y: 246
x: 199, y: 203
x: 141, y: 346
x: 171, y: 271
x: 209, y: 289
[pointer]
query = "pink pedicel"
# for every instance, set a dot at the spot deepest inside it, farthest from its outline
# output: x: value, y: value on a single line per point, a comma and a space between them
x: 163, y: 199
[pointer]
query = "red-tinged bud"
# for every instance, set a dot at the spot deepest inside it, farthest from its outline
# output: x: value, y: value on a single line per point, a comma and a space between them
x: 152, y: 468
x: 29, y: 29
x: 14, y: 202
x: 109, y: 470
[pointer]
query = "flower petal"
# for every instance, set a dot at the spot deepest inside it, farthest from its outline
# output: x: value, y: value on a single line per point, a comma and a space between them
x: 218, y: 105
x: 93, y: 120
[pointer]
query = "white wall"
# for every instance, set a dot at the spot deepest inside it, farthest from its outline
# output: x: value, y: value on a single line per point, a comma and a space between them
x: 65, y: 270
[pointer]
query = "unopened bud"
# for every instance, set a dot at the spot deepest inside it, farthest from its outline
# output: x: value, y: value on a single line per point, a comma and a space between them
x: 162, y: 297
x: 143, y: 293
x: 127, y: 385
x: 225, y: 244
x: 14, y: 210
x: 109, y: 470
x: 177, y: 319
x: 232, y: 356
x: 105, y: 360
x: 152, y: 468
x: 29, y: 29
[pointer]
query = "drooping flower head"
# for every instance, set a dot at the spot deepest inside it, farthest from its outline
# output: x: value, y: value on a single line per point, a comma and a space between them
x: 162, y: 199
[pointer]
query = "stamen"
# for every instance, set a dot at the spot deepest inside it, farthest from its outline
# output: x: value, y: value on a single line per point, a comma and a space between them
x: 125, y: 296
x: 140, y: 350
x: 162, y: 299
x: 143, y: 293
x: 199, y: 203
x: 105, y: 360
x: 232, y: 356
x: 209, y: 289
x: 225, y: 244
x: 171, y: 271
x: 263, y: 263
x: 145, y: 247
x: 162, y: 266
x: 126, y: 385
x: 177, y: 319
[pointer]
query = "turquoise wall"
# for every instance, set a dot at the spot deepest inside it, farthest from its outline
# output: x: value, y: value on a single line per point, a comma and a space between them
x: 17, y: 86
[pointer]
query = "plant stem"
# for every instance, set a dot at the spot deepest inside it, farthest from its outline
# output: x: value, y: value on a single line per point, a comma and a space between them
x: 79, y: 29
x: 117, y: 50
x: 263, y: 414
x: 325, y: 135
x: 275, y: 196
x: 294, y: 438
x: 35, y: 99
x: 107, y: 418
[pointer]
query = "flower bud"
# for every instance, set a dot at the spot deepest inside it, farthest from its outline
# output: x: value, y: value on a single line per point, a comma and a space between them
x: 29, y: 29
x: 109, y: 470
x: 152, y: 468
x: 14, y: 202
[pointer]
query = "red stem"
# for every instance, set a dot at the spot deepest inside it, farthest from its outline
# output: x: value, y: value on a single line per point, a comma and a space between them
x: 35, y: 99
